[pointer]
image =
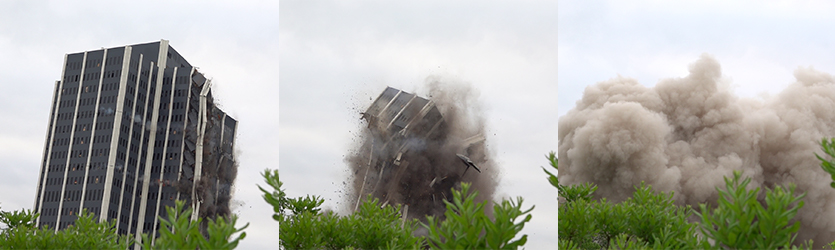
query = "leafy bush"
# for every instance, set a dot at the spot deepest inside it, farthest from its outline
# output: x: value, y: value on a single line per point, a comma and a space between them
x: 828, y: 148
x: 85, y: 233
x: 741, y: 221
x: 467, y: 227
x: 372, y: 226
x: 18, y: 218
x: 647, y: 219
x: 278, y: 199
x: 179, y: 232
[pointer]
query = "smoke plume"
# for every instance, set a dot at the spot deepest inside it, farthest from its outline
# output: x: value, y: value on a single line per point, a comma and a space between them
x: 433, y: 167
x: 686, y: 134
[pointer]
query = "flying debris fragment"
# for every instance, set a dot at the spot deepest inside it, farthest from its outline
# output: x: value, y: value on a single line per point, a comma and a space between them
x: 467, y: 162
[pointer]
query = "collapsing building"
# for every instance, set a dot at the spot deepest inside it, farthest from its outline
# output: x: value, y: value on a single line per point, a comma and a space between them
x: 406, y: 158
x: 133, y: 129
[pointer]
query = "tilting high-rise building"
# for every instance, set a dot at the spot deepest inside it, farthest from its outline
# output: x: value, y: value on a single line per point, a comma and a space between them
x: 131, y: 130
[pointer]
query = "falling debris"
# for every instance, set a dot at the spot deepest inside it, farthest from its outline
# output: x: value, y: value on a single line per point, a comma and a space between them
x: 686, y: 134
x: 407, y: 152
x: 209, y: 168
x: 467, y: 162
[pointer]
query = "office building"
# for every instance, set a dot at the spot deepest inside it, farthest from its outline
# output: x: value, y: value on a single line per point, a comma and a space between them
x: 131, y: 130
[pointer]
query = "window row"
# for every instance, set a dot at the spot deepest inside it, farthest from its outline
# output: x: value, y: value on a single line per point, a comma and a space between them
x: 104, y: 125
x: 99, y: 165
x: 71, y: 78
x: 173, y: 143
x: 67, y: 103
x: 75, y: 180
x: 101, y: 152
x: 61, y: 142
x: 175, y: 105
x: 52, y: 196
x: 72, y: 195
x: 169, y: 168
x: 128, y: 188
x: 152, y: 195
x: 110, y: 86
x: 129, y: 89
x: 114, y: 60
x: 92, y: 76
x: 114, y: 199
x: 107, y: 99
x: 79, y: 115
x: 49, y: 212
x: 73, y: 65
x: 132, y: 77
x: 54, y: 181
x: 58, y: 155
x: 80, y: 140
x: 112, y: 73
x: 93, y: 63
x: 177, y: 118
x: 123, y: 142
x: 117, y: 182
x: 69, y: 91
x: 56, y: 167
x: 102, y: 138
x: 78, y: 153
x: 84, y: 114
x: 94, y: 195
x: 87, y: 101
x: 140, y: 110
x: 63, y: 128
x: 128, y: 104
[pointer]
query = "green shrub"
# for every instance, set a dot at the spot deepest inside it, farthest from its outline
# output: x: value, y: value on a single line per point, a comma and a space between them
x: 372, y: 226
x: 467, y: 227
x: 179, y: 232
x: 645, y: 219
x: 740, y: 221
x: 829, y: 149
x: 85, y: 233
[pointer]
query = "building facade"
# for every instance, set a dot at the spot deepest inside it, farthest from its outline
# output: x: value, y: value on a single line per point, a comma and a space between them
x: 131, y: 130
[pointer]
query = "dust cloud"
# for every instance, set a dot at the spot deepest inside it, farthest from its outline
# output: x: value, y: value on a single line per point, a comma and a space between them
x: 686, y: 134
x: 433, y: 167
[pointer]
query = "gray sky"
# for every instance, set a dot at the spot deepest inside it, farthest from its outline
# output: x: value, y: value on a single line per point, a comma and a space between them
x: 334, y: 56
x: 759, y: 44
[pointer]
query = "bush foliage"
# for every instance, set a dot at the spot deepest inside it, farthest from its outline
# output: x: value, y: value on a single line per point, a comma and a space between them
x: 85, y: 233
x: 372, y: 226
x: 179, y: 232
x: 467, y: 227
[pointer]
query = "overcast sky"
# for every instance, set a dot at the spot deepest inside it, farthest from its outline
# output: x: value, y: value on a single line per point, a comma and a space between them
x: 759, y: 44
x: 334, y: 57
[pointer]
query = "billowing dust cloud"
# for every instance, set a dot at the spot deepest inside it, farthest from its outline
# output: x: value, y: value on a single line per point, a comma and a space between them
x: 686, y: 134
x: 427, y: 167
